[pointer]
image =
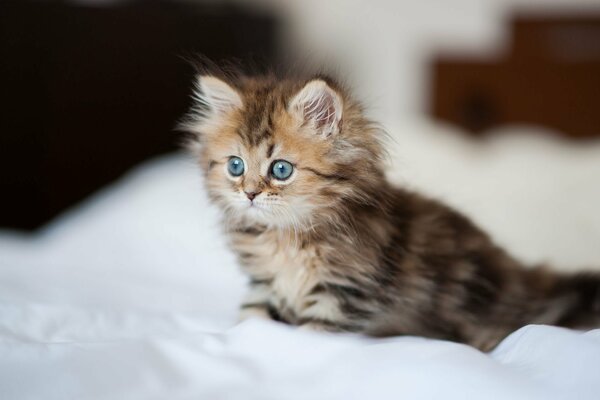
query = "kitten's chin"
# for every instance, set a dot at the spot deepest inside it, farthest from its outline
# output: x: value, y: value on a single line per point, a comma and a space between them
x: 253, y: 214
x: 258, y: 213
x: 265, y: 215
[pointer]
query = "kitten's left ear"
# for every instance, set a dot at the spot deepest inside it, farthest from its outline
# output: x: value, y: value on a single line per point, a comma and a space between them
x: 318, y: 105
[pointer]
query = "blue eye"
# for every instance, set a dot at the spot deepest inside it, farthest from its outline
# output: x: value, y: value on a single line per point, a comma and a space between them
x: 235, y: 166
x: 282, y: 169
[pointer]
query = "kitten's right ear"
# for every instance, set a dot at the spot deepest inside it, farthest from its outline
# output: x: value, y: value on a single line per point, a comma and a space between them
x: 215, y: 97
x: 319, y: 106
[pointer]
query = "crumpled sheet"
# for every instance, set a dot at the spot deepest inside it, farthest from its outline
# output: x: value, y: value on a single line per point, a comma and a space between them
x: 133, y: 295
x: 266, y: 360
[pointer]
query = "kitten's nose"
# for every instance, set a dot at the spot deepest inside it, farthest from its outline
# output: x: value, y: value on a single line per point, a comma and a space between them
x: 252, y: 195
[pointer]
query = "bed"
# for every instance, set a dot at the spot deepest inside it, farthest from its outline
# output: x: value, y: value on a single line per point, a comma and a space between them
x: 133, y: 294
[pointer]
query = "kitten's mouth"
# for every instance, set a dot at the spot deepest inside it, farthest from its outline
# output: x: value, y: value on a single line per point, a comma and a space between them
x: 255, y: 206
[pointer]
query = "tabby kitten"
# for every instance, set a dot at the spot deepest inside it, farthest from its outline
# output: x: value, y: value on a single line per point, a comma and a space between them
x: 330, y: 245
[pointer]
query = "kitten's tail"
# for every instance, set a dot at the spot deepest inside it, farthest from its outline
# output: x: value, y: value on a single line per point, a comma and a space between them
x: 583, y: 291
x: 571, y: 301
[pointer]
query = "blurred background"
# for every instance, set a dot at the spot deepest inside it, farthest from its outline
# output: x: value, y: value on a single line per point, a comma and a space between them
x: 91, y: 88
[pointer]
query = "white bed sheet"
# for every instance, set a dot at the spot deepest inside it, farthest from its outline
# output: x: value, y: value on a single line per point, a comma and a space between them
x: 133, y: 295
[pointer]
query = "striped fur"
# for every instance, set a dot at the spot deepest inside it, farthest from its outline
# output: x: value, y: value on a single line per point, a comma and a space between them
x: 336, y: 247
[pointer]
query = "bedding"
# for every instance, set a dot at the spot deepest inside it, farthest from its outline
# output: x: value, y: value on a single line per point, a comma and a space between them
x: 133, y: 293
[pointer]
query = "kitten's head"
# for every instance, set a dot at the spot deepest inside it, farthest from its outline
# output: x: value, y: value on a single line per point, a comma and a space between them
x: 281, y: 152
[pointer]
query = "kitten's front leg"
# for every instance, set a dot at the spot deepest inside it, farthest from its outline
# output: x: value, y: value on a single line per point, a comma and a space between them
x: 257, y: 301
x: 324, y: 312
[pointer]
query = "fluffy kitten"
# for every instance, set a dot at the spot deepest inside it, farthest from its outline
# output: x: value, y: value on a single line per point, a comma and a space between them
x: 329, y: 244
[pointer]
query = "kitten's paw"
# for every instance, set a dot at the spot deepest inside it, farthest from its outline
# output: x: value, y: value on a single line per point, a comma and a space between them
x: 316, y: 326
x: 253, y: 312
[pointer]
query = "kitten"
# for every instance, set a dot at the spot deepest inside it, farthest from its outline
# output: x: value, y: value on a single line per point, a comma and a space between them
x: 330, y: 245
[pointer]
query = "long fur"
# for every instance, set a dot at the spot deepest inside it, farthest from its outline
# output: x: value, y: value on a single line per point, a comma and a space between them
x: 338, y: 248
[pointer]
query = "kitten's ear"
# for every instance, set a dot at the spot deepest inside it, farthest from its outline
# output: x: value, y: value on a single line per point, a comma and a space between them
x: 320, y: 106
x: 217, y: 95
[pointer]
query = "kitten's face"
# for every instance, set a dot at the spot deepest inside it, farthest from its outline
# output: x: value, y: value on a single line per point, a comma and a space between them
x: 275, y: 156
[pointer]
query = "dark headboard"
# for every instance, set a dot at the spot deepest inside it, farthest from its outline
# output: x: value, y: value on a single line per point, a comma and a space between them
x: 549, y: 76
x: 89, y: 92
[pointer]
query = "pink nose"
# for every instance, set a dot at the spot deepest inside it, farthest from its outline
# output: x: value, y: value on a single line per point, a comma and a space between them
x: 252, y: 195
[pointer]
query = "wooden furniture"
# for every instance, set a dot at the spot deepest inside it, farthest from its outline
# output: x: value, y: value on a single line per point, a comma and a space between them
x: 89, y: 92
x: 550, y: 77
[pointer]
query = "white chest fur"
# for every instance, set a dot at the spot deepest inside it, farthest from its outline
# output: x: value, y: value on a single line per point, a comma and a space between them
x: 293, y: 279
x: 293, y: 270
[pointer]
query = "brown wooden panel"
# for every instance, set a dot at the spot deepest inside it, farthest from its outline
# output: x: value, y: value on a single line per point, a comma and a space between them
x: 569, y: 38
x: 479, y: 96
x: 550, y: 77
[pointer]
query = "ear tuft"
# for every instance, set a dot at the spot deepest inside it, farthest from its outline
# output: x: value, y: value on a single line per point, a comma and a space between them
x: 216, y: 95
x: 319, y: 105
